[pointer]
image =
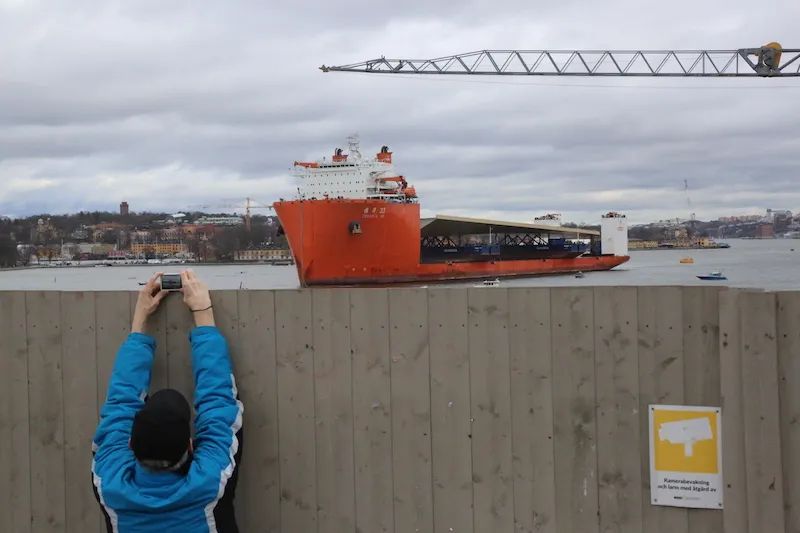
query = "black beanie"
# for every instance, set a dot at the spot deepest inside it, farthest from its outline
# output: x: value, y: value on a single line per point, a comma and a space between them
x: 161, y: 430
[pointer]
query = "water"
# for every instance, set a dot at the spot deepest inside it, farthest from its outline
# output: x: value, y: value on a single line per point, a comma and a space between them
x: 766, y: 264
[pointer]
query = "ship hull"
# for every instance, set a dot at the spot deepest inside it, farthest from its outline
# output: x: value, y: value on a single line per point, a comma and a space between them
x: 373, y: 242
x: 479, y: 270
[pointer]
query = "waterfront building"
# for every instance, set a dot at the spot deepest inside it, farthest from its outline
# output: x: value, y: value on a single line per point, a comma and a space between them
x: 158, y: 248
x: 765, y: 231
x: 220, y: 221
x: 267, y: 254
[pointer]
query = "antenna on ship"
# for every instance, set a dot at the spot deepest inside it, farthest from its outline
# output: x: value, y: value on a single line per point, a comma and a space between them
x: 353, y: 145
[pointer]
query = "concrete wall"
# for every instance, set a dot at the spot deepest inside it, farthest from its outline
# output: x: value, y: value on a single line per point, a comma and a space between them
x: 448, y: 410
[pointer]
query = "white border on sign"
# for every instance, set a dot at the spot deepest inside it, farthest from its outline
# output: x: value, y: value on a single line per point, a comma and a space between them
x: 688, y: 408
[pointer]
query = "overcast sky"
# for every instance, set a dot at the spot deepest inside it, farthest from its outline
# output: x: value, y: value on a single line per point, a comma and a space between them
x: 173, y: 104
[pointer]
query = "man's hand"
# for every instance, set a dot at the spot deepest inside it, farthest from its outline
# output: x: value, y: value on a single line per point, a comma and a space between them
x: 197, y: 298
x: 149, y: 298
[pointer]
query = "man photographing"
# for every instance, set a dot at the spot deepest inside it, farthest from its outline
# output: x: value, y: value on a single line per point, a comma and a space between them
x: 148, y: 473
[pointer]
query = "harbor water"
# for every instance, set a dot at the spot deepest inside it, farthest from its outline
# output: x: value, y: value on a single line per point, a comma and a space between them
x: 764, y: 264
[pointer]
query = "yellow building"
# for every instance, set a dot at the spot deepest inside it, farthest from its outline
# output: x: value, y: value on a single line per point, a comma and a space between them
x: 271, y: 254
x: 636, y: 244
x: 158, y: 248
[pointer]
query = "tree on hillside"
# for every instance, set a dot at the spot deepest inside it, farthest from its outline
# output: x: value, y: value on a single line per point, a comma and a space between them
x: 109, y: 237
x: 226, y: 242
x: 24, y: 255
x: 8, y: 251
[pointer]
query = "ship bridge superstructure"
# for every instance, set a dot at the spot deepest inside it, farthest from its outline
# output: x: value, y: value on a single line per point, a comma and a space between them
x: 349, y: 175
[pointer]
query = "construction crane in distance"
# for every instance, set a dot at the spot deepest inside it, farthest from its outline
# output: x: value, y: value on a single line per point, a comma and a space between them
x: 768, y: 61
x: 692, y: 215
x: 248, y: 205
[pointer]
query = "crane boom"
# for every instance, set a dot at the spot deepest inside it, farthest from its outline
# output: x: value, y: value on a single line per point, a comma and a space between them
x: 770, y: 60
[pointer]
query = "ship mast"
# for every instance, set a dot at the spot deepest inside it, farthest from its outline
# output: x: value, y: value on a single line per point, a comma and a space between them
x: 353, y: 147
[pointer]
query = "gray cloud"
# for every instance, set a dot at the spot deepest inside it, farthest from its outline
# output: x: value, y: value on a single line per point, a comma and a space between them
x: 171, y: 105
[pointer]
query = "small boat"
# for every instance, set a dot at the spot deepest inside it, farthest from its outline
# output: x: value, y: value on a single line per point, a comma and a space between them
x: 490, y: 283
x: 712, y: 276
x: 687, y: 261
x: 580, y: 275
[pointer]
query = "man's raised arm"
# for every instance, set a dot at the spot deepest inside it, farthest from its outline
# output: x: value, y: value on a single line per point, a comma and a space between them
x: 130, y: 379
x: 219, y: 412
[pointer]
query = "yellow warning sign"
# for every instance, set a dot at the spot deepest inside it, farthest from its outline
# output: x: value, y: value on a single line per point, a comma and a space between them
x: 686, y: 441
x: 685, y: 456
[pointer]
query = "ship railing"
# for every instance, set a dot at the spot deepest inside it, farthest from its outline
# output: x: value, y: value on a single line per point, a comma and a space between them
x: 384, y: 196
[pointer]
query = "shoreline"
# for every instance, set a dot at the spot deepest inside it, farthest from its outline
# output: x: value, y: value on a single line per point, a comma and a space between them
x: 679, y: 248
x: 158, y: 265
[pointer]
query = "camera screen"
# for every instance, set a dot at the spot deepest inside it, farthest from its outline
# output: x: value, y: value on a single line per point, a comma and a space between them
x: 170, y: 282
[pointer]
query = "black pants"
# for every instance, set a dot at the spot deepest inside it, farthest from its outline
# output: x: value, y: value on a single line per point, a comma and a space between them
x: 224, y: 511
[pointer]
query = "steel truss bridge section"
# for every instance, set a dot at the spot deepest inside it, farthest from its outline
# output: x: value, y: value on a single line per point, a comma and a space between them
x: 523, y: 239
x: 766, y: 61
x: 439, y: 241
x: 503, y: 239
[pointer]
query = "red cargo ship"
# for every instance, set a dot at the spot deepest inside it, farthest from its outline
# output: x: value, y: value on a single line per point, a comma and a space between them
x: 357, y: 222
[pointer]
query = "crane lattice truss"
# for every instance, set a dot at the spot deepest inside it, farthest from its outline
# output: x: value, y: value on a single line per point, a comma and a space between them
x: 765, y: 61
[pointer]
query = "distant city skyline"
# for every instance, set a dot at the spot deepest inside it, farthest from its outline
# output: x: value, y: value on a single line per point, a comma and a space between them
x: 240, y: 212
x: 167, y: 105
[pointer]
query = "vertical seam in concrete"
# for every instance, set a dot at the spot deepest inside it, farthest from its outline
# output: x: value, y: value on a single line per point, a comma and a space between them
x: 349, y: 328
x: 469, y: 403
x: 552, y: 406
x: 97, y: 366
x: 28, y: 390
x: 97, y: 388
x: 60, y: 326
x: 637, y: 404
x: 595, y: 362
x: 277, y: 407
x: 510, y: 410
x: 739, y: 362
x: 314, y: 403
x: 430, y: 404
x: 596, y: 406
x: 644, y: 480
x: 388, y: 306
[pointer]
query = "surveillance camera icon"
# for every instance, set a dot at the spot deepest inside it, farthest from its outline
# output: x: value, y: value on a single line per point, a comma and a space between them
x: 686, y: 432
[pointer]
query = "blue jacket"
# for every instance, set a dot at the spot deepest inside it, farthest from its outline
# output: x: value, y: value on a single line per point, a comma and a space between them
x: 136, y: 499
